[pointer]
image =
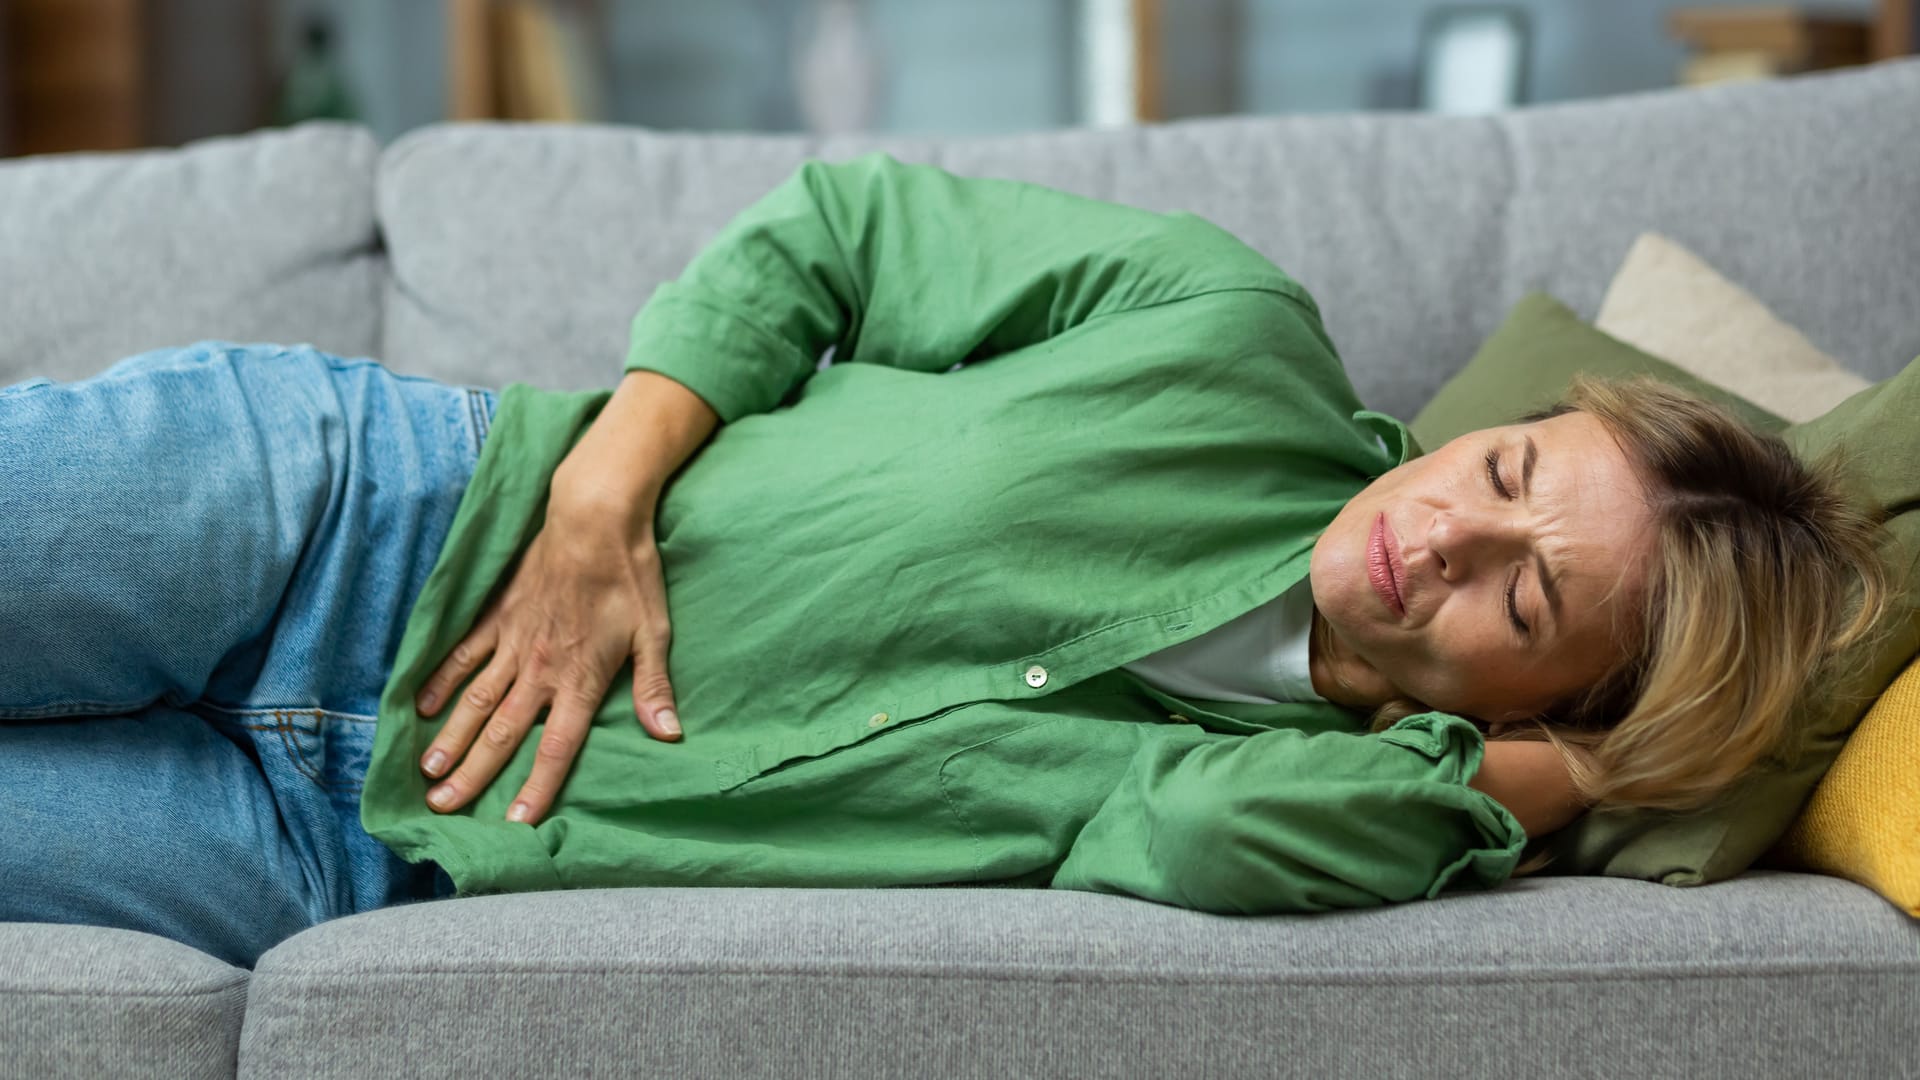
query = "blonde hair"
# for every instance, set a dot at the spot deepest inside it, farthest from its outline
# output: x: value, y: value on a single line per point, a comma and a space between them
x: 1762, y: 572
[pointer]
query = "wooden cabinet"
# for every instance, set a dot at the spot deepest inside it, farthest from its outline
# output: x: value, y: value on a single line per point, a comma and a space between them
x: 1896, y: 25
x: 120, y: 74
x: 74, y: 71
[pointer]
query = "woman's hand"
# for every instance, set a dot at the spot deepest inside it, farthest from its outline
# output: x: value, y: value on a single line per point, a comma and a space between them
x: 587, y: 594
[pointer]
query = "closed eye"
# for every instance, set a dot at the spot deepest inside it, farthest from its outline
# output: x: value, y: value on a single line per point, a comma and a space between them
x: 1513, y: 608
x: 1493, y: 474
x: 1513, y: 585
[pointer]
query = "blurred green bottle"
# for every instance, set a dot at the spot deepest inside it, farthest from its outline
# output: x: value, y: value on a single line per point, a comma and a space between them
x: 315, y: 88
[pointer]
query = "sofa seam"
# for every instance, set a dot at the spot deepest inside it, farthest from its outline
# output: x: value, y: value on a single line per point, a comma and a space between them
x: 123, y: 995
x: 1418, y: 978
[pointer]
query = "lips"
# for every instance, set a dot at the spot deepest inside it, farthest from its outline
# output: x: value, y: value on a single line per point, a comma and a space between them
x: 1383, y: 569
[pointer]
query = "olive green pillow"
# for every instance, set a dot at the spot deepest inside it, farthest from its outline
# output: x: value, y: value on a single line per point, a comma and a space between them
x: 1529, y: 362
x: 1543, y: 341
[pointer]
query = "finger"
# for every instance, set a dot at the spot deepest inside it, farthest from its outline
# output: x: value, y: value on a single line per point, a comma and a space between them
x: 469, y: 714
x: 568, y: 722
x: 483, y: 695
x: 454, y: 669
x: 498, y: 740
x: 653, y: 700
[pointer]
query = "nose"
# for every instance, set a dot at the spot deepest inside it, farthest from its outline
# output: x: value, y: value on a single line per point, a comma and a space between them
x: 1463, y: 542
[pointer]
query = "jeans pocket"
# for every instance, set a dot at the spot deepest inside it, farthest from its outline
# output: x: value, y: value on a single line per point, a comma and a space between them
x: 320, y: 748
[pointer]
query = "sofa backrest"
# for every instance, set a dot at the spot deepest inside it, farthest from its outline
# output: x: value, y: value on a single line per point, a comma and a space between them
x: 520, y: 253
x: 494, y: 253
x: 262, y: 237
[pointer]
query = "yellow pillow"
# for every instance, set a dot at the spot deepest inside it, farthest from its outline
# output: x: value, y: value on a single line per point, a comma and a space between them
x: 1863, y: 822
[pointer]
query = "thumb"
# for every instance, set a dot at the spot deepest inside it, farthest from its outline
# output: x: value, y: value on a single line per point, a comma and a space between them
x: 654, y: 707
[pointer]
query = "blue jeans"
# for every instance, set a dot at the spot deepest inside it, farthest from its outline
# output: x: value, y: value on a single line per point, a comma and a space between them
x: 207, y: 557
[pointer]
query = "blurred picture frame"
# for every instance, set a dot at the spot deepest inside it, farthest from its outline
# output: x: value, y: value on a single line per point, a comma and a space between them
x: 1473, y: 58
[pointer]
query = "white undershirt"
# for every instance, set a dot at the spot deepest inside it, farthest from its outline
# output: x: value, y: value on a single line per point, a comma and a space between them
x: 1260, y: 657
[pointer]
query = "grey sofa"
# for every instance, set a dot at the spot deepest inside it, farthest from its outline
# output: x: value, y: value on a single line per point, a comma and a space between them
x: 492, y: 254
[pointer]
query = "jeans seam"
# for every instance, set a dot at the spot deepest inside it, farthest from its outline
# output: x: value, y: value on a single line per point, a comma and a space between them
x: 86, y: 709
x: 283, y: 725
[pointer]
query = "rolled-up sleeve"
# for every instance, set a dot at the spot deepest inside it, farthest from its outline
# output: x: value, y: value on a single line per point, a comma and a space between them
x: 1287, y: 821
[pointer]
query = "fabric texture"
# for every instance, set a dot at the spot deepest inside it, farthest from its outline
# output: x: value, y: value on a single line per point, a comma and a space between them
x: 1751, y: 978
x: 1262, y: 657
x: 267, y: 237
x: 1531, y: 360
x: 1668, y: 302
x: 1863, y: 822
x: 197, y: 634
x: 891, y: 583
x: 82, y: 1002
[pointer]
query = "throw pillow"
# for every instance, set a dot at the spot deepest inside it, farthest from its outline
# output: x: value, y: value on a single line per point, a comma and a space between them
x: 1863, y: 822
x: 1668, y: 302
x: 1528, y: 363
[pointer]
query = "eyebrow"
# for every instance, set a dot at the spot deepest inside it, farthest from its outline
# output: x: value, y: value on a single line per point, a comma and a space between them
x: 1547, y: 583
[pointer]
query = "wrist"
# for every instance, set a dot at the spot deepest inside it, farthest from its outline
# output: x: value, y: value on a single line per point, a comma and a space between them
x: 590, y: 504
x: 646, y: 431
x: 585, y: 485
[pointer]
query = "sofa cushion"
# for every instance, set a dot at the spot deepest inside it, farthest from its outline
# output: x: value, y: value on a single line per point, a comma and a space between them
x: 1787, y: 186
x: 262, y: 237
x: 1751, y: 977
x: 521, y: 252
x: 89, y: 1001
x: 1531, y: 360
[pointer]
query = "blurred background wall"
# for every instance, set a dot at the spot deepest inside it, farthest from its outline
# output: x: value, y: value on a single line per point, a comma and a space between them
x: 202, y: 67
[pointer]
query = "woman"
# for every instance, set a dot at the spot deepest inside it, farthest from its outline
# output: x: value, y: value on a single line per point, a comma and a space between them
x: 1082, y: 568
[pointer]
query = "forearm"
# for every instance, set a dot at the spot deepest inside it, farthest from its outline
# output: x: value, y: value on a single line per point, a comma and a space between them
x: 646, y: 432
x: 1530, y: 779
x: 1288, y: 821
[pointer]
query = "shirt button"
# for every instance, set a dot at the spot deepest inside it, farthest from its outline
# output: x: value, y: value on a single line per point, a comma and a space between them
x: 1179, y: 717
x: 876, y: 719
x: 1036, y: 676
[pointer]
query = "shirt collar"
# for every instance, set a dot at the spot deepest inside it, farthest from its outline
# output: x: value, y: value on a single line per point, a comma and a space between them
x: 1400, y: 444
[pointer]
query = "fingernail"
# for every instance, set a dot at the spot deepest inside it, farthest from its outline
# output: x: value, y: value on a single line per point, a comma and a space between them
x: 428, y: 702
x: 440, y: 796
x: 668, y: 721
x: 518, y: 812
x: 436, y: 761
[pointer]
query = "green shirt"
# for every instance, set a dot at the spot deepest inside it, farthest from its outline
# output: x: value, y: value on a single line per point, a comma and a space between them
x: 900, y: 590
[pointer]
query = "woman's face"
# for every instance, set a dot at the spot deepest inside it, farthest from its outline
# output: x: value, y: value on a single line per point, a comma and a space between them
x: 1486, y: 590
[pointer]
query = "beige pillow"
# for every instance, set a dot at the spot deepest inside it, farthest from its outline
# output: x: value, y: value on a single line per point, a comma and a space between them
x: 1664, y: 300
